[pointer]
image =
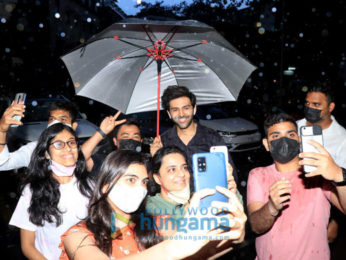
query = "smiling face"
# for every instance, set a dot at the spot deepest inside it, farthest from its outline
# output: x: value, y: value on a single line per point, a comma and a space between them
x: 181, y: 111
x: 66, y: 156
x: 173, y: 173
x: 127, y: 132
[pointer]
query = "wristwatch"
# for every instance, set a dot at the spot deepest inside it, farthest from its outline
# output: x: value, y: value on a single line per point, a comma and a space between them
x: 343, y: 182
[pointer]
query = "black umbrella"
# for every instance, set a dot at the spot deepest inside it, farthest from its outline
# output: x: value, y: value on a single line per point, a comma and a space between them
x: 128, y: 65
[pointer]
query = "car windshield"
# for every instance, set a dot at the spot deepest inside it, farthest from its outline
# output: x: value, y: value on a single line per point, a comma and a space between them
x: 216, y: 111
x: 37, y: 109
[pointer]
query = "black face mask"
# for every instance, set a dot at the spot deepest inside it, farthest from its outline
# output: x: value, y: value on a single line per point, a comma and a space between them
x: 312, y: 115
x: 284, y: 149
x: 130, y: 144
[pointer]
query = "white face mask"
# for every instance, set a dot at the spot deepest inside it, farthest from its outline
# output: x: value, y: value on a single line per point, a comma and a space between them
x: 127, y: 199
x: 61, y: 170
x: 57, y: 121
x: 180, y: 196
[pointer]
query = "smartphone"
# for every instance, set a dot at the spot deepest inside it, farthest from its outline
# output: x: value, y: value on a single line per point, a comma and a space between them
x: 18, y: 99
x: 310, y: 133
x: 209, y: 171
x: 222, y: 149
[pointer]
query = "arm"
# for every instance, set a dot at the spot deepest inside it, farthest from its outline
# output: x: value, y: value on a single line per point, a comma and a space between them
x: 329, y: 170
x: 263, y: 215
x: 17, y: 159
x: 27, y: 242
x: 107, y: 125
x: 78, y: 246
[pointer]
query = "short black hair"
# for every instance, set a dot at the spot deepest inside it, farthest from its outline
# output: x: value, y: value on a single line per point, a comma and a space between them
x: 129, y: 121
x: 173, y: 92
x: 70, y: 107
x: 276, y: 119
x: 323, y: 87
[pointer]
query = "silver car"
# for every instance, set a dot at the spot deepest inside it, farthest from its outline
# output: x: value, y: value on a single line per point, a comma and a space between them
x: 35, y: 122
x: 239, y: 134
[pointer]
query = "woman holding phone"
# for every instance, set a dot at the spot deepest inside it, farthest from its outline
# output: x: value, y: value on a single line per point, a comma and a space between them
x: 55, y: 193
x: 120, y: 192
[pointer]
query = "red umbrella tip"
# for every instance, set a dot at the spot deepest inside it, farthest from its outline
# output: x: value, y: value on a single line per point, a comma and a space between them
x: 204, y: 41
x: 116, y: 37
x: 141, y: 69
x: 173, y: 71
x: 118, y: 58
x: 200, y: 60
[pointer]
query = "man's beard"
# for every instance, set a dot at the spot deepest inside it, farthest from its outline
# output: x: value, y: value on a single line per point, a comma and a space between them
x: 176, y: 121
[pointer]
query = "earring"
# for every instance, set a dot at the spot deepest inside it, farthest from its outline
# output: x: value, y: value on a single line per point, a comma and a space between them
x: 49, y: 164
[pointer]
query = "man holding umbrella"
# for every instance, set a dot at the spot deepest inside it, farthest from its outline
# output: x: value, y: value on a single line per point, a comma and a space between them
x: 187, y: 134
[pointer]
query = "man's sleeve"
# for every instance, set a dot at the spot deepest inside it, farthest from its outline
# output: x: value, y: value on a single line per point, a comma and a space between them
x: 17, y: 159
x: 341, y: 155
x: 255, y: 189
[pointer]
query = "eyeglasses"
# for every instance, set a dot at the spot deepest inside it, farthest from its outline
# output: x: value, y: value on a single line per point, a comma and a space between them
x: 59, y: 145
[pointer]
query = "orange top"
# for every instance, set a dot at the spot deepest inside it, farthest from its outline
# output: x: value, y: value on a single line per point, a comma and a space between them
x: 124, y: 245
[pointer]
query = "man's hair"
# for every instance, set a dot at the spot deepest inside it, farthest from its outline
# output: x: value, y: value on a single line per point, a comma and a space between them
x: 323, y: 87
x: 276, y: 119
x: 173, y: 92
x: 70, y: 107
x: 129, y: 121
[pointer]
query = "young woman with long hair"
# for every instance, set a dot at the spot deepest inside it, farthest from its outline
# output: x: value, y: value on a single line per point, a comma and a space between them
x: 55, y: 193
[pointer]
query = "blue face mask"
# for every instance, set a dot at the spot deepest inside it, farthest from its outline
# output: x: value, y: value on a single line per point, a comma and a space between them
x: 284, y: 149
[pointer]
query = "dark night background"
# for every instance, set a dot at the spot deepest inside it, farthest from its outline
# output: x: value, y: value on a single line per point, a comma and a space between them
x: 274, y: 35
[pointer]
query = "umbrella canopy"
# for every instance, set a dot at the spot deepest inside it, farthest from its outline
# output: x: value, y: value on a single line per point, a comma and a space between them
x: 129, y: 64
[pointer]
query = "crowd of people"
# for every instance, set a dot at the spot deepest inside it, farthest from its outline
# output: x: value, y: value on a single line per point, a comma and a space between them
x: 77, y: 204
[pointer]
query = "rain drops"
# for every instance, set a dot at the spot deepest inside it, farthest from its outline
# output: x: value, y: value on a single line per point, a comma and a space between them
x: 62, y: 34
x: 274, y: 9
x: 305, y: 88
x: 40, y: 25
x: 261, y: 30
x: 57, y: 15
x: 20, y: 27
x: 3, y: 20
x: 89, y: 20
x: 34, y: 103
x: 91, y: 102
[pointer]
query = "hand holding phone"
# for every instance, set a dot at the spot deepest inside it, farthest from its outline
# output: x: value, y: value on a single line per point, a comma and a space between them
x: 310, y: 133
x: 209, y: 171
x: 19, y: 99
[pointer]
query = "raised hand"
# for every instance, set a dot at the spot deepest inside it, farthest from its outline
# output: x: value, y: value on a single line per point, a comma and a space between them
x: 6, y: 119
x: 324, y: 162
x: 156, y: 145
x: 110, y: 122
x: 279, y: 193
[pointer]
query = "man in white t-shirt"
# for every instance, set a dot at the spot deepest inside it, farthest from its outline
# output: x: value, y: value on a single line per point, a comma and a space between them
x: 319, y: 105
x: 64, y: 112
